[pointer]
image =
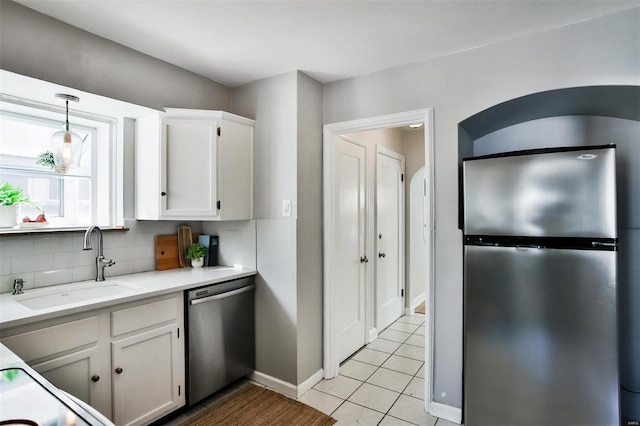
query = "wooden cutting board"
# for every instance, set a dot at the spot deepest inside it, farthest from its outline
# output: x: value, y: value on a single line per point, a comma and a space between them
x: 167, y: 256
x: 185, y: 239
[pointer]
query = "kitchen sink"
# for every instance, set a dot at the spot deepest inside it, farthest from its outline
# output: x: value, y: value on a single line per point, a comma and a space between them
x: 73, y: 293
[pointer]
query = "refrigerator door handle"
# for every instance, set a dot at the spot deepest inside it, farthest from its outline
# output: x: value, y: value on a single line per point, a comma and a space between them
x: 596, y: 244
x: 528, y: 246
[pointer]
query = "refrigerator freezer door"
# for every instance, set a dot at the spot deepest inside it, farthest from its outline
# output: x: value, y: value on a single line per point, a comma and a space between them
x: 541, y: 339
x: 556, y: 194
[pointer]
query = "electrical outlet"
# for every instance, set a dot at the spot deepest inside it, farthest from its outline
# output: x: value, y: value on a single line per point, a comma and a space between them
x: 286, y: 208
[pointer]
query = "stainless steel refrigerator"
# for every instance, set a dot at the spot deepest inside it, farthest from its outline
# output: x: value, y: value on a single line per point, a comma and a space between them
x: 540, y: 303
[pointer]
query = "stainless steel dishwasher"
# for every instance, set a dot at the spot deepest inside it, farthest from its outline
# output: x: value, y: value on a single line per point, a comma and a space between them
x: 220, y: 336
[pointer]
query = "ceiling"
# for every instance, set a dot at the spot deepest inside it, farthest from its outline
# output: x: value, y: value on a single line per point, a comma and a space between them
x: 236, y: 42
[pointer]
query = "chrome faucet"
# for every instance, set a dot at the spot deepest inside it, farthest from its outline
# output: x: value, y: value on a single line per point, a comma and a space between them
x: 18, y: 283
x: 101, y: 262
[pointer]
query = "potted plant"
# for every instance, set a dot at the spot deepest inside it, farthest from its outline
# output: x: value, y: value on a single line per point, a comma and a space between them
x: 46, y: 159
x: 10, y: 198
x: 196, y: 252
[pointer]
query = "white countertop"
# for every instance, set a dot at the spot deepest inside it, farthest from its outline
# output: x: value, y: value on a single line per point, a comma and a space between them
x: 146, y: 284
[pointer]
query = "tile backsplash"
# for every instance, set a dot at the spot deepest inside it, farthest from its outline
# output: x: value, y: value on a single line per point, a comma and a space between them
x: 50, y: 259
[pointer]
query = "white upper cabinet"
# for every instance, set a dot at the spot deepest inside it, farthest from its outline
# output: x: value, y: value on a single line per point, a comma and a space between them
x: 194, y: 165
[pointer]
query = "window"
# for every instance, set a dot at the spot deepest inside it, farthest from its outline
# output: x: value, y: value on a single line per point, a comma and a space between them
x: 76, y: 199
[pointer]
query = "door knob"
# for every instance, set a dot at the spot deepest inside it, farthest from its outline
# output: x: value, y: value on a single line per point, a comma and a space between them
x: 95, y: 378
x: 118, y: 370
x: 363, y: 259
x: 381, y: 254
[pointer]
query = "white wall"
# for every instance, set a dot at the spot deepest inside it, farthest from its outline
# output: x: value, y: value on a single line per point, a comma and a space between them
x: 44, y: 260
x: 597, y: 52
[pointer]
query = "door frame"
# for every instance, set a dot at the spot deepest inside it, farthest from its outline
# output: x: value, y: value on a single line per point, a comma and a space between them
x: 331, y: 132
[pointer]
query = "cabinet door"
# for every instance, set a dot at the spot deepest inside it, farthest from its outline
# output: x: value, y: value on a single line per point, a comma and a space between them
x: 188, y: 175
x: 235, y: 171
x: 148, y: 375
x: 84, y: 375
x: 71, y: 355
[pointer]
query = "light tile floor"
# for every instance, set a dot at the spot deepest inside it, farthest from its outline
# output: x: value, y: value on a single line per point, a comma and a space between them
x: 382, y: 384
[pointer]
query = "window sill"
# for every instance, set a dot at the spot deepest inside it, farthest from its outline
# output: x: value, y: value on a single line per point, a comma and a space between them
x: 51, y: 230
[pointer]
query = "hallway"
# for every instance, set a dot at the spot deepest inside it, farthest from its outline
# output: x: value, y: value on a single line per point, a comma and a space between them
x: 383, y: 383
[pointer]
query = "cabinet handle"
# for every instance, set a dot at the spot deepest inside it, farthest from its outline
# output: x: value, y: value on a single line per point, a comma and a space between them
x: 118, y: 370
x: 163, y: 193
x: 95, y: 378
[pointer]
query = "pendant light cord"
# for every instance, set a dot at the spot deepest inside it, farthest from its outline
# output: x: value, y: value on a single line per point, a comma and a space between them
x: 66, y: 125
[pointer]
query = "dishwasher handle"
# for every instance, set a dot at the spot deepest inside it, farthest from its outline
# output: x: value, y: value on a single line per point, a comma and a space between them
x: 222, y: 295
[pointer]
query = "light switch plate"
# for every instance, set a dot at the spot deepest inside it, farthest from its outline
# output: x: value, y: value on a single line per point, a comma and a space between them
x: 286, y: 208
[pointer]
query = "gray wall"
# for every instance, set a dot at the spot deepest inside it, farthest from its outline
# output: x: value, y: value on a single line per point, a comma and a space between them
x: 600, y: 51
x: 309, y: 227
x: 39, y: 46
x: 288, y: 166
x: 272, y: 103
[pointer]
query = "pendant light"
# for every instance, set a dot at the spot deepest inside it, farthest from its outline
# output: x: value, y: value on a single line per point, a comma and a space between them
x: 67, y: 146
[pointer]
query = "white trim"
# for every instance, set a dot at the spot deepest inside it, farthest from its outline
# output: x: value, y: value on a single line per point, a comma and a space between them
x: 286, y: 388
x: 330, y: 133
x: 373, y: 335
x: 275, y: 384
x: 413, y: 304
x: 430, y: 199
x: 330, y: 368
x: 447, y: 412
x: 389, y: 153
x: 309, y: 383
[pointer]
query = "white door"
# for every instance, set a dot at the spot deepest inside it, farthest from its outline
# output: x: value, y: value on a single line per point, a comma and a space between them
x: 389, y: 238
x: 350, y: 261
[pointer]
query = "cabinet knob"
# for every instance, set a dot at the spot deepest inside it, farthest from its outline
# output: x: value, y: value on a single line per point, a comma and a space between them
x: 381, y: 254
x: 95, y: 378
x: 363, y: 259
x: 163, y: 193
x: 118, y: 370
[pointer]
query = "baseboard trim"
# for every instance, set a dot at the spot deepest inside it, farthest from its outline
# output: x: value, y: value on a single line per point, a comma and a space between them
x: 310, y: 382
x: 286, y: 387
x: 417, y: 301
x: 373, y: 334
x: 446, y: 412
x: 275, y: 384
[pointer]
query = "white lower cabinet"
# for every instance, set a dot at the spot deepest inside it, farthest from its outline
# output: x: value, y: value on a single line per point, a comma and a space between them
x: 82, y: 374
x: 126, y: 361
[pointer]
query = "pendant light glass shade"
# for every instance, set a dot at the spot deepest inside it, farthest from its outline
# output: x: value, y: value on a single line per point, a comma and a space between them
x: 66, y: 145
